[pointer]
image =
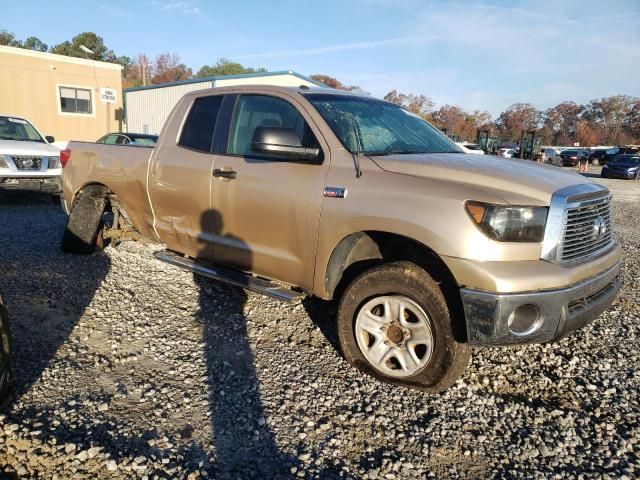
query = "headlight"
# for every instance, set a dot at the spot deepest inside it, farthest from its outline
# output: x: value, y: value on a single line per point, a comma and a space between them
x: 509, y: 224
x: 54, y: 162
x: 3, y: 162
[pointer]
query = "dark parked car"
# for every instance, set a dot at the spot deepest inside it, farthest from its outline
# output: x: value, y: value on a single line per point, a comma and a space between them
x: 598, y: 157
x: 570, y: 158
x: 141, y: 139
x: 5, y: 354
x: 615, y: 151
x: 623, y: 166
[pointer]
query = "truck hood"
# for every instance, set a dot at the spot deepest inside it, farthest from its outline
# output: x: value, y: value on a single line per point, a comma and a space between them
x: 514, y: 180
x: 12, y: 147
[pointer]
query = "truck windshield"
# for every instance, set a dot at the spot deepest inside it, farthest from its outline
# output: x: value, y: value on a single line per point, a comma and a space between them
x: 18, y: 129
x: 375, y: 127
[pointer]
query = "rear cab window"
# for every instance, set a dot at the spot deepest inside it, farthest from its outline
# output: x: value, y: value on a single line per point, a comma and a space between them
x: 197, y: 131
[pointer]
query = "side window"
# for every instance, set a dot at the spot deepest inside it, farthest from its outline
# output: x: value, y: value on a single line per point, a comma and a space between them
x: 253, y: 111
x: 111, y: 139
x: 197, y: 133
x: 122, y: 140
x: 75, y: 100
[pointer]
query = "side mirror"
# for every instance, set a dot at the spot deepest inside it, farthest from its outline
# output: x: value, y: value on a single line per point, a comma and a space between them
x: 50, y: 139
x: 282, y: 142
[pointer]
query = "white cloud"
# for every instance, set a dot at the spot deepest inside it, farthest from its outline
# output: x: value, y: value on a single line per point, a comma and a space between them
x: 114, y: 11
x: 183, y: 7
x: 369, y: 44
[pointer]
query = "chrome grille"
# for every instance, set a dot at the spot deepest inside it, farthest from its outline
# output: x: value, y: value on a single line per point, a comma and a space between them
x: 27, y: 162
x: 587, y: 228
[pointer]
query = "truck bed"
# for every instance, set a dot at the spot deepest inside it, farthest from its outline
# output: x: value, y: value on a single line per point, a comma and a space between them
x: 123, y: 168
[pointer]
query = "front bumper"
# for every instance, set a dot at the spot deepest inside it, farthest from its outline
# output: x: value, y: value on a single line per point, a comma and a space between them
x: 35, y: 184
x: 490, y: 316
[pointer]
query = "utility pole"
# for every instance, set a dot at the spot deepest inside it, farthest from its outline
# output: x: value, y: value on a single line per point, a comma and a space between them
x: 144, y: 72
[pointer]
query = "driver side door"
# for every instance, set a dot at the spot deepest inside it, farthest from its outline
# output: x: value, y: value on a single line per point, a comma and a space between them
x: 266, y: 208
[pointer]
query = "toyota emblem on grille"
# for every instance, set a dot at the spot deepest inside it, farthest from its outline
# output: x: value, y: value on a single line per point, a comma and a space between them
x: 27, y: 163
x: 599, y: 228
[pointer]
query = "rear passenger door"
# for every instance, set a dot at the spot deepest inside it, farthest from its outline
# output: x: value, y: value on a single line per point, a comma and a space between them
x: 266, y: 209
x: 180, y: 176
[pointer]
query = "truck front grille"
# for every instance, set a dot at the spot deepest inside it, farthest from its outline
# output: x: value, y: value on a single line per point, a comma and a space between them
x: 587, y: 228
x: 27, y: 162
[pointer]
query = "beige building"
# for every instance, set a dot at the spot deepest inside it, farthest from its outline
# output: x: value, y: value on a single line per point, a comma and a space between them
x: 67, y: 97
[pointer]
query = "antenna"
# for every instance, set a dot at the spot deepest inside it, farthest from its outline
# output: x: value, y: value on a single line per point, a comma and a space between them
x: 356, y: 156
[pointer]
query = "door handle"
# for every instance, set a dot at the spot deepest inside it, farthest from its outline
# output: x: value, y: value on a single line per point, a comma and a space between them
x: 228, y: 174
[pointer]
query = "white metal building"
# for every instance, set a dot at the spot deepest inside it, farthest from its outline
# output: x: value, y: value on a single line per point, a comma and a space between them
x: 148, y: 107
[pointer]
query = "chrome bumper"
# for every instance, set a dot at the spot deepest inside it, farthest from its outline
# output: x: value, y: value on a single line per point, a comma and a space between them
x: 34, y: 184
x: 560, y: 312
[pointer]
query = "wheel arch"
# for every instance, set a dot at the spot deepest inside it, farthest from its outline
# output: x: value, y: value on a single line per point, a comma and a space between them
x: 362, y: 250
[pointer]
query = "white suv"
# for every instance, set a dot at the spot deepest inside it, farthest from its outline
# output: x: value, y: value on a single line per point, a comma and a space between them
x: 27, y: 160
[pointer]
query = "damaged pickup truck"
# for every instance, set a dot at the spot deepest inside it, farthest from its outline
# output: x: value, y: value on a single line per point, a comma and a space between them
x: 297, y: 191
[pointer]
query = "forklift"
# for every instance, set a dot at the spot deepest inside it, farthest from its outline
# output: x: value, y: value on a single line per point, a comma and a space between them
x: 487, y: 142
x: 529, y: 145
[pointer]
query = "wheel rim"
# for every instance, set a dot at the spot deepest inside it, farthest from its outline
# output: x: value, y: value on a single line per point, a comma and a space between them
x: 394, y: 334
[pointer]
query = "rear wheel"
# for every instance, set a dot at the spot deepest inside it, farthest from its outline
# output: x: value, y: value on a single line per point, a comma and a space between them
x: 394, y: 324
x: 81, y: 233
x: 5, y: 355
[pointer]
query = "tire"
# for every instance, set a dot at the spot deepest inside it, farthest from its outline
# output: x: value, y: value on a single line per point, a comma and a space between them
x: 433, y: 360
x: 5, y: 355
x: 81, y: 232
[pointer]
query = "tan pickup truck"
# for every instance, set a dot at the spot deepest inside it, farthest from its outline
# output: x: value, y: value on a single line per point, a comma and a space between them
x: 297, y: 191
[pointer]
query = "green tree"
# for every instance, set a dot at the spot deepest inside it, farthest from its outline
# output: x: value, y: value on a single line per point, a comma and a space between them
x: 9, y: 39
x: 91, y: 41
x: 225, y: 66
x: 34, y: 43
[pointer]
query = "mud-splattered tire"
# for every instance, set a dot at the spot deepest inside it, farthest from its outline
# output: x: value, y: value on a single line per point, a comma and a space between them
x: 419, y: 350
x: 5, y: 355
x: 83, y: 224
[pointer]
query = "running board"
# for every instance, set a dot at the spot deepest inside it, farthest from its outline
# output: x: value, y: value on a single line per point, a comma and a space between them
x: 233, y: 277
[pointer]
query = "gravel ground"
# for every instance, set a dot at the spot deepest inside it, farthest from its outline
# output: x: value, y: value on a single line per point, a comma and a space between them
x: 129, y: 368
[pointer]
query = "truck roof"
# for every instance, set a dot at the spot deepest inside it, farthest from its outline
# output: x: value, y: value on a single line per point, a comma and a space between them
x: 275, y: 88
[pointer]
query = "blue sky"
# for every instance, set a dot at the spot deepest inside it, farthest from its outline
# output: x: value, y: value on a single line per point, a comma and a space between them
x: 475, y: 54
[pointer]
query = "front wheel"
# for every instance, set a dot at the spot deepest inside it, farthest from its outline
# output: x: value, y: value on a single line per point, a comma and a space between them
x: 394, y: 324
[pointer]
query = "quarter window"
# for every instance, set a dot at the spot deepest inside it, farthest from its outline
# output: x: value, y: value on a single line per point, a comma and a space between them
x: 253, y: 111
x: 197, y: 133
x: 75, y: 100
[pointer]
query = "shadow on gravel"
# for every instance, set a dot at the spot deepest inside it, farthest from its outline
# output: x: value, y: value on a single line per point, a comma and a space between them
x: 41, y: 284
x: 43, y: 318
x: 245, y: 446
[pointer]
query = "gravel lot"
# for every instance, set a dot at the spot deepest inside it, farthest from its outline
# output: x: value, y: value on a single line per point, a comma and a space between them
x: 129, y: 368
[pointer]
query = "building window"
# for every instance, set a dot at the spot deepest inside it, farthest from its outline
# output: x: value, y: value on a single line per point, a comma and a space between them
x: 75, y: 100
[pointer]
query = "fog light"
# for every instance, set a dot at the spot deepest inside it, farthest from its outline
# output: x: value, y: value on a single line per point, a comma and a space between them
x: 524, y: 320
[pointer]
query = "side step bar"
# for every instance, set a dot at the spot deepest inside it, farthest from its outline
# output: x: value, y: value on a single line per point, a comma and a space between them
x: 233, y: 277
